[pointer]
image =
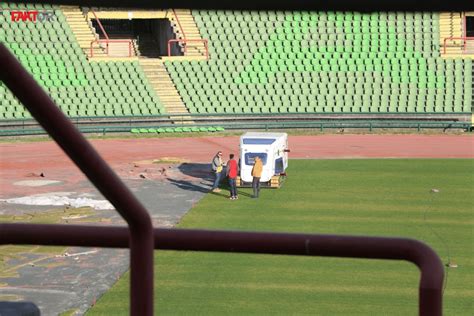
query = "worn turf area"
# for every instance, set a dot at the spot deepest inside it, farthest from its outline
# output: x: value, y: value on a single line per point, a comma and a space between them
x: 14, y: 257
x: 359, y: 197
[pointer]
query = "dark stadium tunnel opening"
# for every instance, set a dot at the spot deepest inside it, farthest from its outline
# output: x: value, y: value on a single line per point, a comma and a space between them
x: 151, y: 36
x: 470, y: 25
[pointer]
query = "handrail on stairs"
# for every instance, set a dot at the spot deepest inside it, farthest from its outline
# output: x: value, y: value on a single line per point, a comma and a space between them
x: 185, y: 41
x: 180, y: 29
x: 100, y: 24
x: 463, y: 22
x: 108, y: 41
x: 465, y: 39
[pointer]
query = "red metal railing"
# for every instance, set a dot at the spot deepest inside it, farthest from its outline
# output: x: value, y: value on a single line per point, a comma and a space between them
x: 464, y: 39
x: 107, y: 40
x: 100, y: 24
x: 185, y: 41
x: 432, y: 273
x: 60, y: 128
x: 464, y: 24
x: 142, y: 238
x: 179, y: 23
x: 107, y: 44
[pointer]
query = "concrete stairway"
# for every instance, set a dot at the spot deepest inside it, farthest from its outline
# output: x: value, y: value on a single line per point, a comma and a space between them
x: 121, y: 50
x: 147, y: 47
x: 163, y: 85
x: 450, y: 25
x: 470, y: 48
x: 82, y: 29
x: 190, y: 30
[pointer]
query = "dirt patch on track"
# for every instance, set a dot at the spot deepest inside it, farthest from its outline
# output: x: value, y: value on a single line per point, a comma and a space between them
x: 18, y: 161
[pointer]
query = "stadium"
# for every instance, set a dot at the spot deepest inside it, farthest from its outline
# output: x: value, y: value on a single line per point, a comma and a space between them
x: 378, y: 108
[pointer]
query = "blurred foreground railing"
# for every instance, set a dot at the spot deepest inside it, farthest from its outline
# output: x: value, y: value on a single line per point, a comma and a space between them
x: 140, y: 237
x: 432, y: 272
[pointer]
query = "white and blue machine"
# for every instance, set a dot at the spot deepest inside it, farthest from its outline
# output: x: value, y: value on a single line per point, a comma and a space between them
x: 272, y: 148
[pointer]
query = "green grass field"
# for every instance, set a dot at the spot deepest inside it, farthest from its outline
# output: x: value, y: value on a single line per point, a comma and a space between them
x: 358, y: 197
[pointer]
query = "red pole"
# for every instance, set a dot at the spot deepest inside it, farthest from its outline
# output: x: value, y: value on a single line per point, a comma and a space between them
x: 181, y: 29
x: 179, y: 24
x: 430, y: 265
x: 169, y: 48
x: 464, y: 30
x: 103, y: 31
x: 100, y: 25
x: 81, y: 152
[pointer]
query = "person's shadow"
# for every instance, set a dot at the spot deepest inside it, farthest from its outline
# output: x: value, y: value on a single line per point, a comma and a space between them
x: 204, y: 178
x: 188, y: 185
x: 203, y: 171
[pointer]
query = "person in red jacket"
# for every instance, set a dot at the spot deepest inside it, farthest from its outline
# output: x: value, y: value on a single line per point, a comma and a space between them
x: 232, y: 171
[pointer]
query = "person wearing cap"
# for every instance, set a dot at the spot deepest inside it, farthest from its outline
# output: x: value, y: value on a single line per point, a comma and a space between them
x: 256, y: 174
x: 217, y: 166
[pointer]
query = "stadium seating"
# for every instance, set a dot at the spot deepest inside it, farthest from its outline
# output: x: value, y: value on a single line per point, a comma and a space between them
x: 81, y: 88
x: 290, y: 62
x: 261, y: 62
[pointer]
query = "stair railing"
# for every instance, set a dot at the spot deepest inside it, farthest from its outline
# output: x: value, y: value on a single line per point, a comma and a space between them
x: 180, y: 28
x: 108, y: 41
x: 102, y: 29
x: 185, y: 41
x: 464, y: 40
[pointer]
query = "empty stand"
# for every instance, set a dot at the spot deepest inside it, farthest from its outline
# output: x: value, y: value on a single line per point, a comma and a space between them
x: 261, y: 62
x: 282, y: 62
x: 82, y: 30
x: 81, y: 88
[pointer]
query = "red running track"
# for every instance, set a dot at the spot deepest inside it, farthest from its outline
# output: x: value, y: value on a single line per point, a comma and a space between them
x: 18, y: 160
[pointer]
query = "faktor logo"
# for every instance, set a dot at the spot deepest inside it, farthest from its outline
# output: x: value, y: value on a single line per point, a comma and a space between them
x: 32, y: 16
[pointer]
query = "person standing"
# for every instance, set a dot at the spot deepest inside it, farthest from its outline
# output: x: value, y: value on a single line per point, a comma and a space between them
x: 256, y: 174
x: 217, y: 166
x: 232, y: 171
